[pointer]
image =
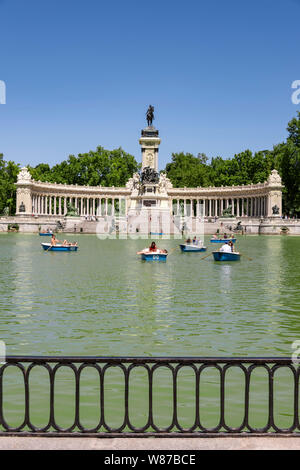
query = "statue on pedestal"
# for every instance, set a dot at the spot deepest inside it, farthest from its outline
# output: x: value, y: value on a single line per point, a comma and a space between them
x: 150, y: 115
x: 275, y: 210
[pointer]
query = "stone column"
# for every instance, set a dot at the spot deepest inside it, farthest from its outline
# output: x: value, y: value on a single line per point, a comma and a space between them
x: 112, y: 206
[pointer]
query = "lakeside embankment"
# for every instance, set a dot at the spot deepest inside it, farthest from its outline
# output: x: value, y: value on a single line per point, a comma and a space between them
x: 263, y: 226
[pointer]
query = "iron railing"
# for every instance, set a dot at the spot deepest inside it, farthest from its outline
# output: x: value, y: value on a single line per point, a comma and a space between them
x: 174, y: 366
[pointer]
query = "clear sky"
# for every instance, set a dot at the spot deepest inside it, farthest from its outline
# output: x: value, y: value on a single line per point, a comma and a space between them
x: 80, y: 74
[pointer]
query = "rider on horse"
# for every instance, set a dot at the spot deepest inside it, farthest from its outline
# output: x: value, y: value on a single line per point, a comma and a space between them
x: 150, y: 115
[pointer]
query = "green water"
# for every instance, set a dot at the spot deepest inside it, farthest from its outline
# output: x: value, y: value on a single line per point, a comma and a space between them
x: 103, y: 300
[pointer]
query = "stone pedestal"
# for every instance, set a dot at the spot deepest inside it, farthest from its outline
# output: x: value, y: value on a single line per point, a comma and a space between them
x: 24, y: 202
x: 149, y: 142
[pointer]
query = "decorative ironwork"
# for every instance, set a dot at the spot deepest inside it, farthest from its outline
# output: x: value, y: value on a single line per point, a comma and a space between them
x: 127, y: 366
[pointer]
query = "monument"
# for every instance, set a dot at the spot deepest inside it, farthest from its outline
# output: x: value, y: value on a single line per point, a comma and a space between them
x: 148, y: 203
x: 149, y: 198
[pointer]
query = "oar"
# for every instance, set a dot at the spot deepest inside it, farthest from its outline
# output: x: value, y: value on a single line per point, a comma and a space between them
x: 173, y: 249
x: 242, y: 254
x: 206, y: 256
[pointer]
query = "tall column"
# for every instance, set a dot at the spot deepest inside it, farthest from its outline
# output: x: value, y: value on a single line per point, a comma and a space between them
x: 209, y: 210
x: 113, y: 206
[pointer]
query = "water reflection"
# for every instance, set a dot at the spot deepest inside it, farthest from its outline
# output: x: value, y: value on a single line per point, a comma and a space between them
x: 103, y: 300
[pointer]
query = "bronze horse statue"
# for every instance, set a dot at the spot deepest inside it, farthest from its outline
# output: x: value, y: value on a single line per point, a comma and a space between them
x: 150, y: 115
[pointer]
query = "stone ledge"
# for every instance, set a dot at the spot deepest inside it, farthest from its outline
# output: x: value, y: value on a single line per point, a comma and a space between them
x: 190, y: 444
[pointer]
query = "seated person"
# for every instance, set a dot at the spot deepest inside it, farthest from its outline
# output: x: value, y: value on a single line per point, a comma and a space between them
x: 226, y: 248
x: 153, y: 247
x: 54, y: 240
x: 188, y: 241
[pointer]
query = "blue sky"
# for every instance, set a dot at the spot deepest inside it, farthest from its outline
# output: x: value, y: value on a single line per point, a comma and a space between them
x: 80, y: 74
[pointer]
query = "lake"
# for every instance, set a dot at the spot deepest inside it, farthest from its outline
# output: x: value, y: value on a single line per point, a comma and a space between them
x: 104, y: 301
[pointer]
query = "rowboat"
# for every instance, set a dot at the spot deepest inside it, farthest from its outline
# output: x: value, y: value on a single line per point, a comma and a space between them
x: 157, y: 255
x: 45, y: 234
x: 224, y: 256
x: 58, y: 247
x: 222, y: 240
x: 186, y: 247
x: 154, y: 256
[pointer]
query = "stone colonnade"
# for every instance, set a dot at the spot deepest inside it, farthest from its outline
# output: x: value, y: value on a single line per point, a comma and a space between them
x: 252, y: 206
x: 51, y: 199
x: 55, y: 204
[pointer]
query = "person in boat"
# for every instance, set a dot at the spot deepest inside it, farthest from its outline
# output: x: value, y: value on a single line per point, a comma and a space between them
x: 188, y: 241
x: 230, y: 243
x: 226, y: 248
x: 54, y: 240
x: 195, y: 241
x: 216, y: 236
x: 153, y: 247
x: 225, y: 235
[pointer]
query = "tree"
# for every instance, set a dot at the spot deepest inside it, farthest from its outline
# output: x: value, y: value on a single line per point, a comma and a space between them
x: 8, y: 177
x: 288, y: 161
x: 187, y: 170
x: 100, y: 167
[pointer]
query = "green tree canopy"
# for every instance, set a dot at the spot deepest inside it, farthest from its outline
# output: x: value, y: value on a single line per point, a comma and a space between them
x: 187, y: 170
x: 288, y: 158
x: 102, y: 167
x: 8, y: 177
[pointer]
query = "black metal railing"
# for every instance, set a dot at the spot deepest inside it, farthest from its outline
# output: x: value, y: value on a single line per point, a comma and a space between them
x: 232, y: 391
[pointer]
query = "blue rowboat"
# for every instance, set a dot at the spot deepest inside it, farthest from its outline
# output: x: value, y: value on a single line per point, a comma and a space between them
x: 48, y: 247
x: 192, y: 248
x: 223, y: 256
x: 222, y: 240
x: 45, y: 234
x: 148, y: 256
